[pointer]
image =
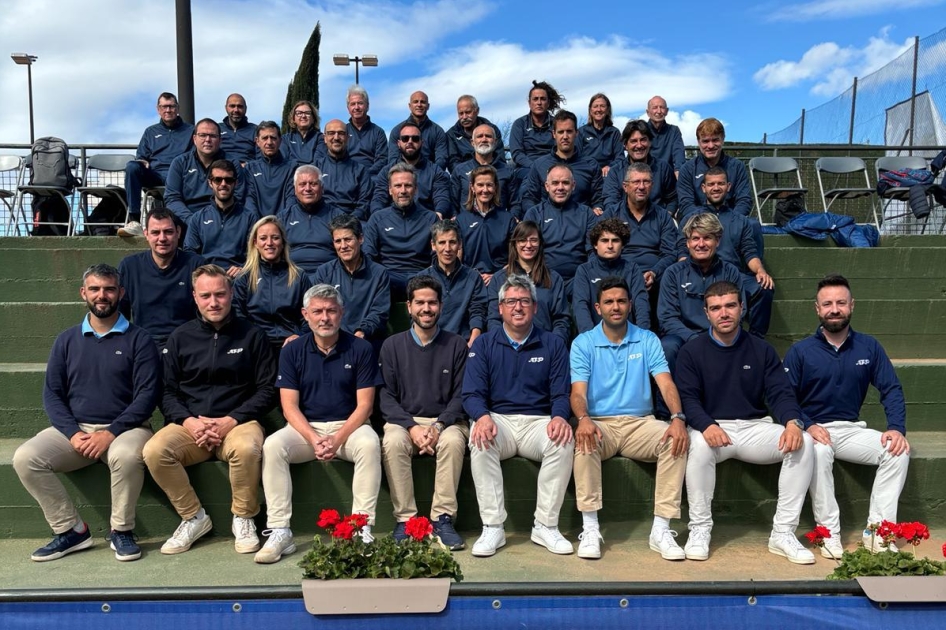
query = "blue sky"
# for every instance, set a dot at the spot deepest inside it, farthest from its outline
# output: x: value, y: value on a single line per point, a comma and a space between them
x: 754, y: 66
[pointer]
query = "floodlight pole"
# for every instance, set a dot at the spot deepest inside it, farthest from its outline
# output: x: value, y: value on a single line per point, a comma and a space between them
x: 185, y: 60
x: 24, y: 59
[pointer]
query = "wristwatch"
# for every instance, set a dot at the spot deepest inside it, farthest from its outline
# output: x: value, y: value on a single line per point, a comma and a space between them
x: 438, y: 427
x: 798, y: 423
x: 678, y: 416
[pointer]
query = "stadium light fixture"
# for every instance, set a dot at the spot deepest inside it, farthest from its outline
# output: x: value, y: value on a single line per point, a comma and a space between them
x: 369, y: 61
x: 24, y: 59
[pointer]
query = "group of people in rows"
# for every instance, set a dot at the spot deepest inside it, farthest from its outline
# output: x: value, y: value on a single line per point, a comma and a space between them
x: 295, y: 297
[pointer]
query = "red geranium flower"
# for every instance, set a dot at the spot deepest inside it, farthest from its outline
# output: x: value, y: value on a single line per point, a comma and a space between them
x: 329, y: 519
x: 418, y: 527
x: 913, y: 532
x: 818, y: 534
x: 358, y: 521
x: 343, y: 530
x: 944, y: 550
x: 888, y: 532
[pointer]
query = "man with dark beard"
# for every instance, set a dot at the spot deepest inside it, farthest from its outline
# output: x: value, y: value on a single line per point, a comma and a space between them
x: 421, y: 416
x: 831, y: 371
x: 105, y: 352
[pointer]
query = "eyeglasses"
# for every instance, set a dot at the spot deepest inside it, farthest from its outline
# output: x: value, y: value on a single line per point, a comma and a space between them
x: 207, y: 136
x: 302, y: 114
x: 511, y: 302
x: 409, y: 138
x: 167, y: 106
x: 532, y: 240
x: 223, y: 180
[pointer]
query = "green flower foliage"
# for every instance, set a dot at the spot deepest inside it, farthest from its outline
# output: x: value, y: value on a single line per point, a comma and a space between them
x: 382, y: 558
x: 862, y: 563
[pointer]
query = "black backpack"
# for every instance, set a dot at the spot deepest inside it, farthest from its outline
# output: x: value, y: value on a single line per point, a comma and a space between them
x: 50, y: 164
x: 788, y: 208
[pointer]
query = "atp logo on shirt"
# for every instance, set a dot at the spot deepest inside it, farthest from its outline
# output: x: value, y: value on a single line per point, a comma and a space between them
x: 863, y: 362
x: 536, y: 359
x: 234, y: 350
x: 636, y: 355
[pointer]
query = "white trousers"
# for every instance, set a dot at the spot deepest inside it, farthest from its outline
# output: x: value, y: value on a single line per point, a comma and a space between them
x: 854, y: 442
x: 756, y: 442
x: 526, y: 436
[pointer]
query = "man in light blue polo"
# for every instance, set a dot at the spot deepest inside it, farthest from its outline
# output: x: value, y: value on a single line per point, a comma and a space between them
x: 611, y: 366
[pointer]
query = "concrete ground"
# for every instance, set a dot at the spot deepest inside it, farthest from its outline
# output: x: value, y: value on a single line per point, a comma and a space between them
x: 734, y: 555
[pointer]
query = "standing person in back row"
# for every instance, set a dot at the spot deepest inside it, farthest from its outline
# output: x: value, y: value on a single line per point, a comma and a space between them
x: 710, y: 136
x: 831, y: 372
x: 531, y: 136
x: 104, y: 353
x: 160, y: 144
x: 667, y: 141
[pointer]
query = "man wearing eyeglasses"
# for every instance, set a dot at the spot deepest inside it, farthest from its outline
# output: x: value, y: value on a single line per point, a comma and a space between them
x: 434, y: 146
x: 433, y: 186
x: 523, y: 415
x: 218, y: 230
x: 188, y: 187
x: 160, y: 144
x: 346, y: 183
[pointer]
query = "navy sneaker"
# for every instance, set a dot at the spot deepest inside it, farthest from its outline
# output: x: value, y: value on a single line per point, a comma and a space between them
x: 400, y: 533
x: 125, y: 545
x: 443, y: 528
x: 64, y: 543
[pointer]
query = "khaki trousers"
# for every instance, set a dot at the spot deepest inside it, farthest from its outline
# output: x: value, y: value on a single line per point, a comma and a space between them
x: 636, y: 438
x: 397, y: 449
x: 287, y: 446
x: 173, y: 448
x: 49, y: 452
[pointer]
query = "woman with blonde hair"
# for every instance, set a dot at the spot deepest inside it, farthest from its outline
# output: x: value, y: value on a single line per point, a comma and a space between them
x: 269, y: 289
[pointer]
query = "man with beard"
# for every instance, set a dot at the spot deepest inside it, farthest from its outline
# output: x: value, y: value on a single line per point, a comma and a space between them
x: 728, y: 381
x: 585, y: 172
x: 307, y: 219
x: 237, y: 134
x: 218, y: 230
x: 157, y: 282
x: 398, y: 236
x: 367, y: 142
x: 637, y: 139
x: 363, y: 284
x: 269, y: 177
x: 345, y: 183
x: 422, y: 410
x: 460, y: 135
x: 104, y: 353
x: 463, y: 300
x: 431, y: 187
x: 434, y: 147
x: 218, y: 382
x: 831, y: 372
x: 160, y: 144
x: 486, y: 151
x: 326, y: 383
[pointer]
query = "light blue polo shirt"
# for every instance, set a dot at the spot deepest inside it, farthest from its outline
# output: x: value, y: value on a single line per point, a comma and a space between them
x: 120, y: 327
x: 618, y: 375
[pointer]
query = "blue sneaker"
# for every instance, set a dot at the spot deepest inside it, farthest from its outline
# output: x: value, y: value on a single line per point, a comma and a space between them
x: 400, y: 533
x: 443, y: 528
x: 62, y: 544
x: 125, y: 545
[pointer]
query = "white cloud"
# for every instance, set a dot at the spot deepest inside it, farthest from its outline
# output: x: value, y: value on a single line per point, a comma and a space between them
x: 830, y: 67
x: 844, y: 9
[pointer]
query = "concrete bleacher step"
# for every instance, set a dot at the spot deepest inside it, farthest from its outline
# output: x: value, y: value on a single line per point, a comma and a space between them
x: 745, y: 494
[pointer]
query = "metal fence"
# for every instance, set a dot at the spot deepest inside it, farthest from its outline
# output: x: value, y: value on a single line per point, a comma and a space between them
x: 899, y: 104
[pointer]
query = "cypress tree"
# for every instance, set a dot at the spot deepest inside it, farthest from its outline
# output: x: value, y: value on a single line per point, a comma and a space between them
x: 305, y: 83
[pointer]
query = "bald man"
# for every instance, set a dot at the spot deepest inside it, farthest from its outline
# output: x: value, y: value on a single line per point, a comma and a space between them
x: 434, y: 145
x: 237, y: 134
x: 667, y: 143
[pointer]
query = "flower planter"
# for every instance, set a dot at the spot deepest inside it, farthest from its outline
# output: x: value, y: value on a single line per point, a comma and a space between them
x: 375, y: 596
x: 904, y: 588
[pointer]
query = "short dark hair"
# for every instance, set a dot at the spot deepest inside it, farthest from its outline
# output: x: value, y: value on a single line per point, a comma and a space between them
x: 166, y: 96
x: 716, y: 170
x: 424, y: 282
x: 267, y: 124
x: 442, y: 227
x: 345, y: 221
x: 614, y: 226
x: 635, y: 125
x: 102, y: 270
x: 723, y: 287
x: 612, y: 282
x: 222, y: 165
x: 160, y: 213
x: 833, y: 280
x: 561, y: 116
x: 205, y: 121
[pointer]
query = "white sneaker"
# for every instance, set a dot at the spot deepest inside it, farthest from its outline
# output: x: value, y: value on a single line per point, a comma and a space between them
x: 698, y: 543
x: 132, y: 228
x: 832, y: 549
x: 786, y: 544
x: 187, y: 534
x: 366, y: 536
x: 244, y: 529
x: 664, y: 544
x: 878, y: 543
x: 551, y: 539
x: 489, y: 541
x: 280, y: 543
x: 589, y: 543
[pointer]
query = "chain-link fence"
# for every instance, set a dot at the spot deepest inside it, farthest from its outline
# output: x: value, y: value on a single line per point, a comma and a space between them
x: 900, y: 104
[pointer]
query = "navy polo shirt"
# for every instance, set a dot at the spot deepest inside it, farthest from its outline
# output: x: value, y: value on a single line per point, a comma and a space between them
x: 328, y: 385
